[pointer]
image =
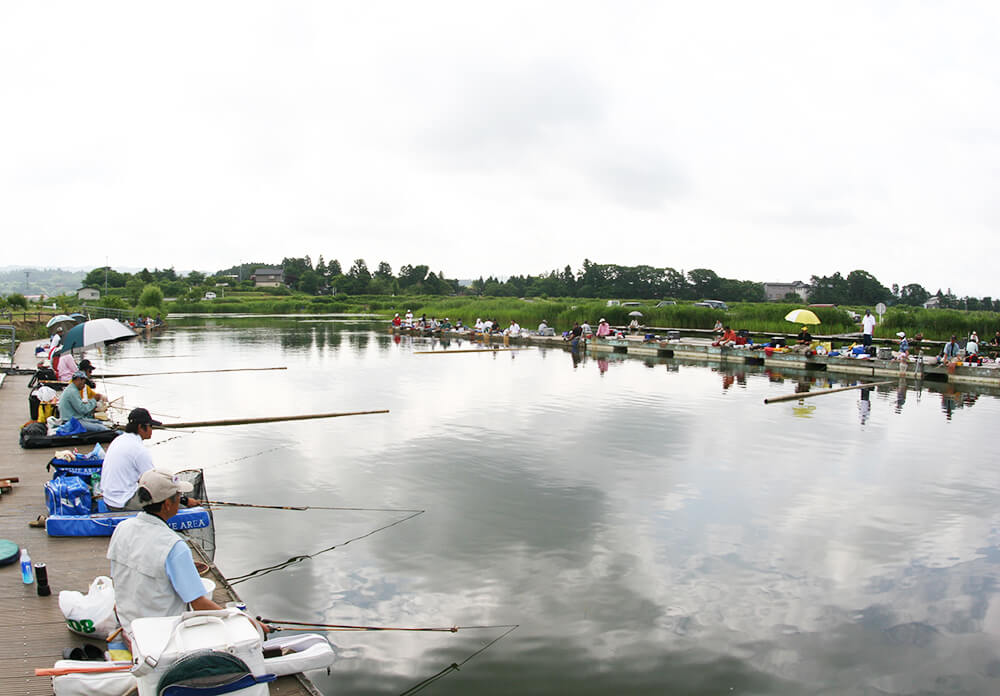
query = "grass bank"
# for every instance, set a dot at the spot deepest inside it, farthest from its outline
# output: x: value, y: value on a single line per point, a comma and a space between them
x: 936, y: 324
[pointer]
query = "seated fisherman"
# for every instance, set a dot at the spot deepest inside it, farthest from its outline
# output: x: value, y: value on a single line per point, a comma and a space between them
x: 126, y: 461
x: 151, y: 565
x: 950, y: 350
x: 728, y: 338
x: 73, y: 405
x: 803, y: 342
x: 603, y: 328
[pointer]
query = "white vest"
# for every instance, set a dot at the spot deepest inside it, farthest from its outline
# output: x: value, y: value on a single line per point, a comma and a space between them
x: 138, y: 553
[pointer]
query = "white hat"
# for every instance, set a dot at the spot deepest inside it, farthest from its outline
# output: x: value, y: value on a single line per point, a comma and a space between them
x: 162, y: 485
x: 901, y: 334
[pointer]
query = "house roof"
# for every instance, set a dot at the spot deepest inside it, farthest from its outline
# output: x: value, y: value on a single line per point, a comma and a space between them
x: 269, y: 271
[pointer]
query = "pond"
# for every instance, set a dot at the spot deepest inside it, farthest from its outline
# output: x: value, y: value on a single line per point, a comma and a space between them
x: 648, y: 526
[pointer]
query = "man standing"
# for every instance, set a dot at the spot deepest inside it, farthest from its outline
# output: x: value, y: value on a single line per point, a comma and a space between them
x: 126, y: 461
x: 151, y: 565
x: 73, y: 405
x: 867, y: 328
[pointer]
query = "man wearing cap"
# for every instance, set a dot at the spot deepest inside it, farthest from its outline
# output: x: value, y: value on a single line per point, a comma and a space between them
x: 126, y: 460
x: 87, y: 368
x: 151, y: 564
x: 73, y: 405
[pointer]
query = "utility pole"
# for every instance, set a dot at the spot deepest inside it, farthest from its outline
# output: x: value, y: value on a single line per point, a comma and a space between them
x: 26, y: 274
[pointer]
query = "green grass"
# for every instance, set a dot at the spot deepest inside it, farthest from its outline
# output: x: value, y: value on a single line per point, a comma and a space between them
x: 937, y: 324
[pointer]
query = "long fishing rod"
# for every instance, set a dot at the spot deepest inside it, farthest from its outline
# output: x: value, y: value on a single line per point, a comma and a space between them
x: 306, y: 507
x: 190, y: 372
x: 305, y: 626
x: 298, y: 559
x: 266, y: 419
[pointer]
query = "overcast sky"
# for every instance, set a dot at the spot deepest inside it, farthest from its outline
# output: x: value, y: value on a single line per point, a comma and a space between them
x: 766, y: 141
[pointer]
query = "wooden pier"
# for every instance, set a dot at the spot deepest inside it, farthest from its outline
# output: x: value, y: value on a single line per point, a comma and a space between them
x: 34, y: 628
x: 701, y: 349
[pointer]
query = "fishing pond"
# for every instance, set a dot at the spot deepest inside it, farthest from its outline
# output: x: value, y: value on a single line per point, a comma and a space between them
x: 594, y: 526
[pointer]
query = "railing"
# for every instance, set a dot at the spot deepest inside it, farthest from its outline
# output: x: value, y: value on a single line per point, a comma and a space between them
x: 95, y: 312
x: 36, y: 316
x: 7, y: 344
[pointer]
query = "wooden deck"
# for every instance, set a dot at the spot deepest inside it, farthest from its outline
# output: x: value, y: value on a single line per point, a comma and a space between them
x: 34, y: 630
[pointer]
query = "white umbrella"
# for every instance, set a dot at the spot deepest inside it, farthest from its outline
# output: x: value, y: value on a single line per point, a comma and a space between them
x: 60, y: 319
x: 93, y: 332
x: 635, y: 313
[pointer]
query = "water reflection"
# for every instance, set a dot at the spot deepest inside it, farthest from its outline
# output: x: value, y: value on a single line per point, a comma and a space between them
x: 649, y: 531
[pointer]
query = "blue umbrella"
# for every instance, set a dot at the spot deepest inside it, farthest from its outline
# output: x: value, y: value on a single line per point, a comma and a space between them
x: 59, y: 319
x: 93, y: 332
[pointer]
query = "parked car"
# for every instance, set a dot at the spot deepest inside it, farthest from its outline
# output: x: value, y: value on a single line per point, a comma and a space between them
x: 665, y: 303
x: 631, y: 304
x: 713, y: 304
x: 614, y: 303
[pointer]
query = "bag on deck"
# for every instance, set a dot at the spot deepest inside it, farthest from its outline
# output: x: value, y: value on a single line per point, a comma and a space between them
x: 67, y: 495
x: 91, y: 614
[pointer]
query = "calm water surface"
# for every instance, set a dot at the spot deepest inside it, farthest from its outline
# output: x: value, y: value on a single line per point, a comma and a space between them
x: 652, y: 527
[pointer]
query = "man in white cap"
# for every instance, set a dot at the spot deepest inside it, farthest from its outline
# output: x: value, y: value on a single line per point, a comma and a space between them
x: 151, y: 564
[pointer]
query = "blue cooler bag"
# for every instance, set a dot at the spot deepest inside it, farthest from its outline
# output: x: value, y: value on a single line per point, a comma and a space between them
x: 67, y: 495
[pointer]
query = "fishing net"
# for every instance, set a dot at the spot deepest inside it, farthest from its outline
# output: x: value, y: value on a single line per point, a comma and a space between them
x: 205, y: 536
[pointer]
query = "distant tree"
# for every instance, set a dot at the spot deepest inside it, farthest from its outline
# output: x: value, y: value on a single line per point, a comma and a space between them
x: 151, y: 296
x: 705, y: 283
x: 310, y: 281
x: 133, y: 288
x: 16, y: 299
x: 145, y: 276
x: 828, y: 289
x: 863, y: 288
x: 358, y: 277
x: 333, y: 268
x: 196, y: 278
x: 792, y: 297
x: 321, y: 266
x: 113, y: 302
x: 913, y: 295
x: 96, y: 278
x: 383, y: 271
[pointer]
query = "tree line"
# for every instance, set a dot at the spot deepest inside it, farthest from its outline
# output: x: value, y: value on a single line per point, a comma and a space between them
x: 593, y: 279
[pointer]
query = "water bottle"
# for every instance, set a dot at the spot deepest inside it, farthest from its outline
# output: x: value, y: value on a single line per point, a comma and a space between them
x: 27, y: 572
x: 95, y: 483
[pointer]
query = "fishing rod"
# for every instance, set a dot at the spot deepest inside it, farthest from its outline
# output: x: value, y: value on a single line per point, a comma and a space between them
x: 305, y: 626
x: 305, y: 507
x: 455, y: 666
x: 298, y: 559
x: 466, y: 350
x: 189, y: 372
x: 265, y: 419
x: 806, y: 395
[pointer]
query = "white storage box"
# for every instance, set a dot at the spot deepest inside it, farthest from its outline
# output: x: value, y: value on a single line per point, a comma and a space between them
x: 159, y: 644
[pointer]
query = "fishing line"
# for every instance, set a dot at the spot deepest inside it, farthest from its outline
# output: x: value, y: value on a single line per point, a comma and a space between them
x: 454, y: 667
x: 298, y: 559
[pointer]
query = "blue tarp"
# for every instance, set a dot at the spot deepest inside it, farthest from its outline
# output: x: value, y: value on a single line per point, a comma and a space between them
x: 71, y: 427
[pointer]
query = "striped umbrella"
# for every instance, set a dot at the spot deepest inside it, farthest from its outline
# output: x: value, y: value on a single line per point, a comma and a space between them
x: 94, y: 332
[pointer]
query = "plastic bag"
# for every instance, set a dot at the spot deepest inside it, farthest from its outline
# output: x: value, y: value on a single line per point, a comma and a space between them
x: 91, y: 614
x: 70, y: 427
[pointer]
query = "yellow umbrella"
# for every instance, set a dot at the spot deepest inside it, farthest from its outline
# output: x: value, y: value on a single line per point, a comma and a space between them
x: 802, y: 316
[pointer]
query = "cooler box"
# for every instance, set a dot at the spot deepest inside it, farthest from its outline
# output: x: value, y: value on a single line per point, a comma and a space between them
x: 884, y: 354
x: 177, y: 651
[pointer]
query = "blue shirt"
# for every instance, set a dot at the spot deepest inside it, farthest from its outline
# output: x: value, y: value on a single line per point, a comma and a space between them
x: 182, y: 573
